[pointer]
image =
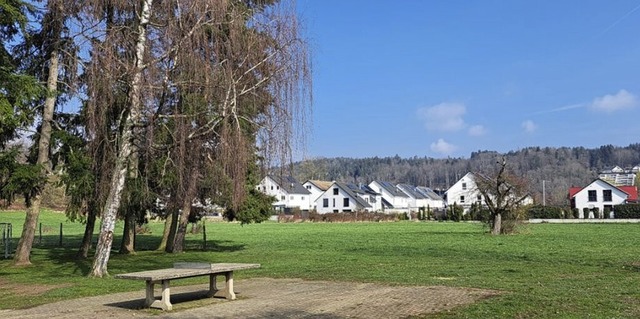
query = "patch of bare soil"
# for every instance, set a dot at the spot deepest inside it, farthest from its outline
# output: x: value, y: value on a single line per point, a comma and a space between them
x: 28, y: 290
x: 272, y: 298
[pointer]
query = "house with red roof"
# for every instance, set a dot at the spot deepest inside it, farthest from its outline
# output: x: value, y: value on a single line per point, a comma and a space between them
x: 602, y: 195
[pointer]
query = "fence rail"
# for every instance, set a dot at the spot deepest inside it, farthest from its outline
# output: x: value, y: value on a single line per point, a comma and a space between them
x: 5, y: 243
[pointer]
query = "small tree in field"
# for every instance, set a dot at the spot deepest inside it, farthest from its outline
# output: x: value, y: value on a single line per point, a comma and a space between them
x: 503, y: 195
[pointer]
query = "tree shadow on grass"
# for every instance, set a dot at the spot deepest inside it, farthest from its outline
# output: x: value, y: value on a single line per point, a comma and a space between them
x: 65, y: 258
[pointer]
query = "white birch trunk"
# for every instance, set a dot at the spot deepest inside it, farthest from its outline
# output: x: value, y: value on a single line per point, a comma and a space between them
x: 105, y: 241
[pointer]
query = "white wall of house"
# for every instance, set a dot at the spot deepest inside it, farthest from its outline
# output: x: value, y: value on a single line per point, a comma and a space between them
x: 284, y: 198
x: 315, y: 193
x: 375, y: 200
x: 400, y: 203
x: 595, y: 195
x: 464, y: 193
x: 336, y: 200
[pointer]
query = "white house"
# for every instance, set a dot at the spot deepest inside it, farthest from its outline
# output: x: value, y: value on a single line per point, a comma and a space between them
x: 464, y: 193
x: 316, y: 188
x: 602, y: 195
x: 370, y: 196
x: 288, y: 192
x: 340, y: 198
x: 394, y: 200
x: 618, y: 176
x: 433, y: 200
x: 416, y: 200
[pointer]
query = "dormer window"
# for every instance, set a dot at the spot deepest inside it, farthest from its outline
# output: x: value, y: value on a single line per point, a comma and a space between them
x: 464, y: 186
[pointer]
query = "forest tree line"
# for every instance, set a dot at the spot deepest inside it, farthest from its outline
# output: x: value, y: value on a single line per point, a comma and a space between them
x: 559, y: 168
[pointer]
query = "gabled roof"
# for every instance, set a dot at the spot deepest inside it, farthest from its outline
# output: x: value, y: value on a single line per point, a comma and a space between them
x: 632, y: 191
x: 469, y: 175
x: 386, y: 203
x: 573, y: 191
x: 322, y: 185
x: 392, y: 189
x: 345, y: 187
x: 428, y: 193
x: 289, y: 184
x: 411, y: 191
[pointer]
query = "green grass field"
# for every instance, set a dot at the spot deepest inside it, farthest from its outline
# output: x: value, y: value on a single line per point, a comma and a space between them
x: 545, y: 271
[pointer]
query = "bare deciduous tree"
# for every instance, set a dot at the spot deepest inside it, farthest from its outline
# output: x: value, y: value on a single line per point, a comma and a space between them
x: 503, y: 194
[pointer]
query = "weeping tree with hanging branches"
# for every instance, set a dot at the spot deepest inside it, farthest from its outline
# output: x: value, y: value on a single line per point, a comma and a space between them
x: 185, y: 93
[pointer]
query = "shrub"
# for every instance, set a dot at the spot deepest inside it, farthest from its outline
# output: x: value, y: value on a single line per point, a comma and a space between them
x: 627, y: 211
x: 585, y: 213
x: 545, y: 212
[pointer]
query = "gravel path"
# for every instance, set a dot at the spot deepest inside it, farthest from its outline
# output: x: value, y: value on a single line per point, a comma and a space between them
x: 270, y: 298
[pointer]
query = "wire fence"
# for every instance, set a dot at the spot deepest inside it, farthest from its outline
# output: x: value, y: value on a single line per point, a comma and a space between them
x: 64, y: 235
x: 5, y: 242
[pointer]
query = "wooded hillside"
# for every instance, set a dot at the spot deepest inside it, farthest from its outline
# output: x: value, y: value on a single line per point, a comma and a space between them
x: 560, y: 168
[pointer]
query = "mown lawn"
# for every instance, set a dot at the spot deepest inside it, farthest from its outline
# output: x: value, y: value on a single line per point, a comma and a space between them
x: 545, y: 271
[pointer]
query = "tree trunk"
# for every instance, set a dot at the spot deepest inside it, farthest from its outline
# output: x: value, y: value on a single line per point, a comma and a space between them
x: 129, y: 234
x: 23, y: 250
x: 497, y: 224
x: 172, y: 230
x: 181, y: 231
x: 83, y: 252
x: 105, y: 241
x: 168, y: 223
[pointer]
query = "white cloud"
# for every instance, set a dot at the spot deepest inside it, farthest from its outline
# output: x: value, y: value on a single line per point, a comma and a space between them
x: 443, y: 147
x: 529, y: 126
x: 477, y: 130
x: 443, y: 117
x: 610, y: 103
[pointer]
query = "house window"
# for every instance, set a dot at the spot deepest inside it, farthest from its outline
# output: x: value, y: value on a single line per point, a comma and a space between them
x: 464, y: 186
x: 282, y: 197
x: 334, y: 202
x: 593, y: 196
x: 291, y: 197
x: 309, y: 187
x: 277, y: 187
x: 461, y: 199
x: 302, y: 197
x: 325, y: 202
x: 271, y: 187
x: 479, y: 198
x: 335, y: 191
x: 606, y: 195
x: 345, y: 202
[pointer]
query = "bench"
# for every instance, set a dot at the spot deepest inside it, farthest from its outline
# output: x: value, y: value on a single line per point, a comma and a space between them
x: 186, y: 270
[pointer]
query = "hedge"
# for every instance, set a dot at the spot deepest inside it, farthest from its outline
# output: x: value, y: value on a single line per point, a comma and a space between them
x: 545, y: 212
x: 627, y: 211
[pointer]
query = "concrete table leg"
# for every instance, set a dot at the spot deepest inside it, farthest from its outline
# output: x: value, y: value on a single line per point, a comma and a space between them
x: 165, y: 302
x: 226, y: 292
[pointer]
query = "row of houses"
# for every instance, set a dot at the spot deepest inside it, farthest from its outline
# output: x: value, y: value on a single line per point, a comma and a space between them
x: 377, y: 196
x: 338, y: 197
x: 380, y: 196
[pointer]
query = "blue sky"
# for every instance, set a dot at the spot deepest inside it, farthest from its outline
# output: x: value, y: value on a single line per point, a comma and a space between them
x: 445, y: 78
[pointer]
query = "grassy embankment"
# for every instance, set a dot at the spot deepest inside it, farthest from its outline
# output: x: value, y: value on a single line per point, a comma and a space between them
x: 546, y: 271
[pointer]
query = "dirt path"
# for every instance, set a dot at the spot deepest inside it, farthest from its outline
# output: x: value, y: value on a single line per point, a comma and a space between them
x: 270, y: 298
